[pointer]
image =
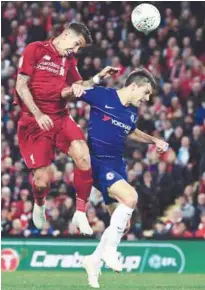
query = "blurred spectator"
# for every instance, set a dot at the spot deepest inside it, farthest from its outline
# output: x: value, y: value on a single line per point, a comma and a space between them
x: 26, y: 215
x: 72, y: 230
x: 200, y: 207
x: 98, y: 229
x: 160, y: 230
x: 148, y: 201
x: 189, y: 193
x: 5, y: 197
x: 175, y: 217
x: 5, y: 64
x: 180, y: 230
x: 175, y: 138
x: 164, y: 184
x: 17, y: 228
x: 47, y: 229
x: 168, y: 130
x: 36, y: 32
x: 67, y: 209
x: 56, y: 221
x: 202, y: 183
x: 184, y: 154
x: 5, y: 223
x: 186, y: 208
x: 200, y: 233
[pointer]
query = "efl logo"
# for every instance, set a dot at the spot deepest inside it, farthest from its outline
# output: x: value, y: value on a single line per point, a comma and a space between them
x: 9, y: 260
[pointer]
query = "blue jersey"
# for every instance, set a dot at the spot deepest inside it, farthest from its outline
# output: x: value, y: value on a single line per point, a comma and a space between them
x: 109, y: 124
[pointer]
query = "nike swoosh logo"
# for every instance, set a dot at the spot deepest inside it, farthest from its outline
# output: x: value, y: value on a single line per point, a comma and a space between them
x: 107, y: 107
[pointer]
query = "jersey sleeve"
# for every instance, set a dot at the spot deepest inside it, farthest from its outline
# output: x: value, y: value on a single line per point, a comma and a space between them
x: 95, y: 96
x: 134, y: 126
x: 29, y: 58
x: 73, y: 73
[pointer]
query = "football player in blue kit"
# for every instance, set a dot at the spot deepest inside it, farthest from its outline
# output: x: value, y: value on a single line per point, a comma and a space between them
x: 113, y: 117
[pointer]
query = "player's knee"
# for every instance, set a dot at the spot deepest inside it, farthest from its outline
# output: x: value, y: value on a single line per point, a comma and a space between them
x: 131, y: 199
x: 80, y: 153
x: 41, y: 179
x: 83, y: 161
x: 41, y: 183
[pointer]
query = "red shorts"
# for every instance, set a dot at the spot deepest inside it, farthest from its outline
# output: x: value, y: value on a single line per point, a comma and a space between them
x: 37, y: 146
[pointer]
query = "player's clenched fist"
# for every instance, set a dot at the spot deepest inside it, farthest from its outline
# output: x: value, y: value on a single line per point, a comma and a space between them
x: 161, y: 145
x: 78, y: 90
x: 44, y: 121
x: 108, y: 71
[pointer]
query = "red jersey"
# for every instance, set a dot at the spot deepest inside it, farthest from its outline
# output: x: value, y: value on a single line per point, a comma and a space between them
x: 49, y: 73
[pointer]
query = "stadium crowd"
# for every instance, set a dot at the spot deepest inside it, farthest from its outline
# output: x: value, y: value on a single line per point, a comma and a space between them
x: 171, y: 187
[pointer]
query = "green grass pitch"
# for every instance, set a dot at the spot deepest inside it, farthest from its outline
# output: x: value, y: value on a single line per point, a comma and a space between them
x: 51, y: 280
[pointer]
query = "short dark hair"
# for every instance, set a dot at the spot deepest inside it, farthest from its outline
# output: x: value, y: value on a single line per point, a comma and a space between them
x: 141, y: 76
x: 81, y: 28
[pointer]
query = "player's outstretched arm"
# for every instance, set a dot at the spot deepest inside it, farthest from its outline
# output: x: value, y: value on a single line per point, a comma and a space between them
x: 140, y: 136
x: 24, y: 93
x: 105, y: 73
x: 78, y: 88
x: 75, y: 91
x: 67, y: 93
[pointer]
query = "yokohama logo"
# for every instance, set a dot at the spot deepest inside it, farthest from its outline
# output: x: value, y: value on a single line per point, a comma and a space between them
x: 116, y: 123
x: 120, y: 124
x: 9, y: 260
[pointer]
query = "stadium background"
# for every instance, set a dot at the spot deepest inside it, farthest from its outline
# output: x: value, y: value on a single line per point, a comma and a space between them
x: 171, y: 187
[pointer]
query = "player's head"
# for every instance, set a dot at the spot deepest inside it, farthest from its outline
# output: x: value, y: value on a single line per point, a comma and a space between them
x: 74, y: 37
x: 141, y: 86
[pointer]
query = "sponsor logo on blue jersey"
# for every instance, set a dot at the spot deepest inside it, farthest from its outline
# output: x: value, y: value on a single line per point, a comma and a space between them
x: 117, y: 123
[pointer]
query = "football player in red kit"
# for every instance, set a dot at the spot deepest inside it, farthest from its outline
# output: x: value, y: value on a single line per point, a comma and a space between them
x: 45, y: 68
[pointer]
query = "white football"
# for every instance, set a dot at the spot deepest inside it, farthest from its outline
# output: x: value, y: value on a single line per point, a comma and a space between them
x: 146, y: 18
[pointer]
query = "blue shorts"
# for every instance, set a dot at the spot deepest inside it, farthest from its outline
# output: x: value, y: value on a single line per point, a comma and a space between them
x: 105, y: 173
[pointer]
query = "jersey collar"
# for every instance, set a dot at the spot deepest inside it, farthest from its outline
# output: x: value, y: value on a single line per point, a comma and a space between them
x: 52, y: 47
x: 54, y: 50
x: 127, y: 108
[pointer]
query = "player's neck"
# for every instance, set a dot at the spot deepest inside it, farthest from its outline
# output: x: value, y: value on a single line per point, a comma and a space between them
x: 124, y: 97
x: 56, y: 44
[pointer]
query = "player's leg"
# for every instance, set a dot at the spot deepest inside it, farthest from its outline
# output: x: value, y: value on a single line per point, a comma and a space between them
x: 93, y: 262
x: 82, y: 182
x: 40, y: 186
x: 121, y: 213
x: 104, y: 178
x: 71, y: 141
x: 111, y: 207
x: 97, y: 254
x: 127, y: 198
x: 82, y: 173
x: 117, y: 189
x: 37, y: 151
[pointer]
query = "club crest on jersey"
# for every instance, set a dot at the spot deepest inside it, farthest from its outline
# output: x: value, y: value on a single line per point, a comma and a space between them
x: 133, y: 120
x: 110, y: 176
x: 47, y: 57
